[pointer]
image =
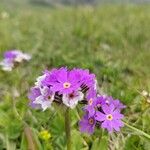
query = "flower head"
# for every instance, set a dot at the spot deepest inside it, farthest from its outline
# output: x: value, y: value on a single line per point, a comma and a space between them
x: 13, y: 57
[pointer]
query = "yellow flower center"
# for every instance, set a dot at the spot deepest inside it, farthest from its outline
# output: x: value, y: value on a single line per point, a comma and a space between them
x: 109, y: 117
x: 91, y: 121
x: 90, y: 101
x: 66, y: 85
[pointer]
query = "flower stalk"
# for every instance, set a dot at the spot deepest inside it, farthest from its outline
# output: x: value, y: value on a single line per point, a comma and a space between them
x: 68, y: 128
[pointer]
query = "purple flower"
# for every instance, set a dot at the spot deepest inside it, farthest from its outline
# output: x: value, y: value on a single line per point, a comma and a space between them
x: 87, y: 124
x: 110, y: 118
x: 91, y: 95
x: 11, y: 54
x: 71, y: 100
x: 33, y: 94
x: 63, y: 81
x: 91, y: 99
x: 94, y: 105
x: 85, y: 78
x: 50, y: 77
x: 117, y: 104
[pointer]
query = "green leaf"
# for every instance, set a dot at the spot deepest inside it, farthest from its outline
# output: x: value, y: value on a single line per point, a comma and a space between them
x: 77, y: 141
x: 14, y: 129
x: 101, y: 144
x: 23, y: 143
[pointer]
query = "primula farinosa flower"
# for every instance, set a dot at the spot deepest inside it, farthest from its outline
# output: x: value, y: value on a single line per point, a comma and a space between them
x: 67, y: 86
x: 86, y: 79
x: 87, y: 124
x: 71, y: 100
x: 13, y: 57
x: 91, y: 99
x: 110, y: 118
x: 63, y: 81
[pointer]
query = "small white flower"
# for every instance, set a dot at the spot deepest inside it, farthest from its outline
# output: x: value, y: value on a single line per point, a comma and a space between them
x: 71, y: 100
x: 44, y: 101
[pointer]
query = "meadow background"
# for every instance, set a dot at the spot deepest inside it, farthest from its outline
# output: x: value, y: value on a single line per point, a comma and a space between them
x: 112, y: 40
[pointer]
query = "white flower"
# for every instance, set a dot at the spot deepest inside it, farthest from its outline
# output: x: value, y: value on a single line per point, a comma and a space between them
x: 44, y: 101
x: 71, y: 100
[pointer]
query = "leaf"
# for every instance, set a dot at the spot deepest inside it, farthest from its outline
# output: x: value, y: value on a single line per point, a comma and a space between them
x: 101, y: 144
x: 77, y: 141
x: 24, y: 145
x: 14, y: 129
x: 4, y: 119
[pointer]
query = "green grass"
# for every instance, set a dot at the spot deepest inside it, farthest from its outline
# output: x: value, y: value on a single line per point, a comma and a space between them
x: 112, y: 41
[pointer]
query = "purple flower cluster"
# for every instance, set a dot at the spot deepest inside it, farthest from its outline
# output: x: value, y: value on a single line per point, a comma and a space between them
x: 101, y: 111
x: 13, y: 57
x: 71, y: 87
x: 62, y: 86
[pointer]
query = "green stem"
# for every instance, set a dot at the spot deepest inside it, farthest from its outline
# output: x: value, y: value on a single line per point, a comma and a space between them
x: 68, y: 128
x: 137, y: 130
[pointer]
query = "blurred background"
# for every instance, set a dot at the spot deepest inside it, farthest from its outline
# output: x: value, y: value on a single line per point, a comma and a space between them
x: 111, y: 38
